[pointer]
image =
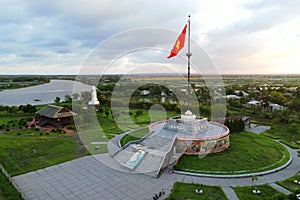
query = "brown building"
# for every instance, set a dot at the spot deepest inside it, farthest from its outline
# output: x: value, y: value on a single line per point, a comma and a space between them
x: 56, y: 116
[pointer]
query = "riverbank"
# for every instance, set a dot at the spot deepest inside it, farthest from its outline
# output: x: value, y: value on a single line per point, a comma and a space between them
x: 41, y: 94
x: 15, y: 82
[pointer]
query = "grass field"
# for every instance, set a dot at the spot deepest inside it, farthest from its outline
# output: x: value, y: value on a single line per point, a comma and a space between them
x: 290, y: 184
x: 13, y: 121
x: 182, y: 191
x: 289, y: 135
x: 247, y: 153
x: 267, y: 192
x: 134, y: 135
x: 5, y: 118
x: 20, y: 154
x: 7, y: 190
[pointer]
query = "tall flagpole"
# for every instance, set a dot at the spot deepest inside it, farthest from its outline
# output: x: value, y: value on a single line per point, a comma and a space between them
x: 189, y: 54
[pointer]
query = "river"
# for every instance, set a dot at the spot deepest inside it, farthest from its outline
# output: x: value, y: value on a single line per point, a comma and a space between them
x: 45, y: 93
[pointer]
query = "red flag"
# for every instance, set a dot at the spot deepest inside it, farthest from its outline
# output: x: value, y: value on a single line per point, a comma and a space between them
x: 179, y: 44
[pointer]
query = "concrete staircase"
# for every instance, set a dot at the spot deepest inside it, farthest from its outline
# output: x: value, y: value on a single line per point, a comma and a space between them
x: 150, y: 164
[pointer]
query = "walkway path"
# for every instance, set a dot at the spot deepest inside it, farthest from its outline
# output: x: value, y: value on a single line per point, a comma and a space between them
x: 281, y: 189
x: 255, y: 128
x: 229, y: 192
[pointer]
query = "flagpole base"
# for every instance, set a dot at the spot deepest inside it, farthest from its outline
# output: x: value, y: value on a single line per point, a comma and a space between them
x: 188, y: 116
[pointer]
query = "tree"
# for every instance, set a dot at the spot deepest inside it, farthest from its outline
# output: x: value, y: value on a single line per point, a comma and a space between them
x: 57, y: 100
x: 155, y: 90
x: 86, y: 96
x: 13, y: 109
x: 75, y: 96
x: 155, y: 101
x: 230, y: 91
x: 138, y: 113
x: 234, y: 103
x: 234, y: 124
x: 68, y: 98
x: 295, y: 104
x: 107, y: 113
x: 277, y: 97
x: 27, y: 108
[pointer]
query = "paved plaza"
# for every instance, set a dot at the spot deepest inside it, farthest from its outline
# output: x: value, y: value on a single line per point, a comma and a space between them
x: 88, y: 178
x: 101, y: 177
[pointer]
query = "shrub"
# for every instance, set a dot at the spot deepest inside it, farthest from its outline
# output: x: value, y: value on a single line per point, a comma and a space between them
x: 36, y: 129
x: 32, y: 125
x: 41, y: 133
x: 235, y: 124
x: 29, y: 119
x: 18, y: 133
x: 59, y: 130
x: 70, y: 127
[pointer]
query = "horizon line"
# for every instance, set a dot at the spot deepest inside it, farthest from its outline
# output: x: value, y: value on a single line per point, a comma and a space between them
x: 157, y: 74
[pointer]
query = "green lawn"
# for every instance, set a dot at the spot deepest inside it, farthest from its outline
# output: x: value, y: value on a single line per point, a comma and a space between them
x: 31, y: 132
x: 289, y: 134
x: 134, y: 135
x: 7, y: 190
x: 13, y: 121
x: 267, y: 192
x: 152, y: 116
x: 182, y: 191
x: 247, y: 153
x: 20, y: 154
x: 108, y: 125
x: 290, y: 184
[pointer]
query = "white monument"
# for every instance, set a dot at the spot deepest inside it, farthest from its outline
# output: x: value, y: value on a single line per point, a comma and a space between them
x: 94, y: 101
x: 188, y: 116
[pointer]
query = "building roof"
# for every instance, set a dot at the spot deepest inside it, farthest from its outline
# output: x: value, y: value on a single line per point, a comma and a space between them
x: 254, y: 102
x: 232, y: 96
x: 52, y: 111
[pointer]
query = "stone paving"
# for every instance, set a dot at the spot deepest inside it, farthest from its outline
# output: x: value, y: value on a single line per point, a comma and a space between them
x: 101, y: 177
x: 89, y: 178
x: 255, y: 128
x: 279, y: 188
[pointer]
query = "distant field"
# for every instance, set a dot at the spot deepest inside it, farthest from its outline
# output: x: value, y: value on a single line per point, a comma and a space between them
x: 13, y: 82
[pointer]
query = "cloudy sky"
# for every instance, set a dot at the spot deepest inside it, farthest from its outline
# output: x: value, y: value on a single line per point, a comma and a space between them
x: 239, y: 36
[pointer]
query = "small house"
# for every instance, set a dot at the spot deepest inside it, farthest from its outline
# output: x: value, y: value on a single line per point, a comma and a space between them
x: 56, y: 116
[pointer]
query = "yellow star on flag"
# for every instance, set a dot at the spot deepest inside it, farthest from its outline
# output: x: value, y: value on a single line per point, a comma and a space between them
x: 177, y: 44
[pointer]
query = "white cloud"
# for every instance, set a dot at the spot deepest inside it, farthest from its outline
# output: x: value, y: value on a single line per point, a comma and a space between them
x: 240, y: 36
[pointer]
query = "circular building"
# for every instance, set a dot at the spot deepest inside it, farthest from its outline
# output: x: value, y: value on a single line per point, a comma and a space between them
x: 193, y: 135
x: 168, y: 139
